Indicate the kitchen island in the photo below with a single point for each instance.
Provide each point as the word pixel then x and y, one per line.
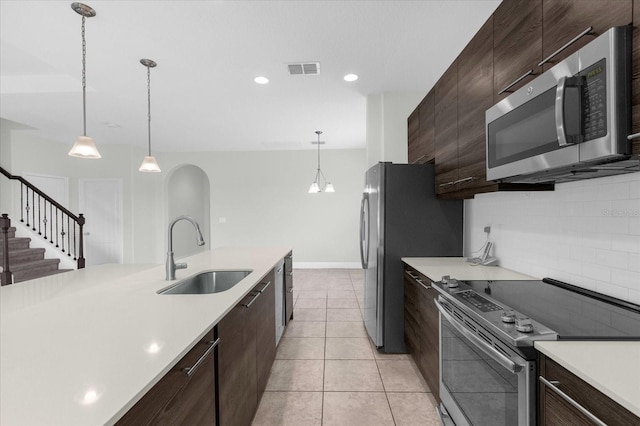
pixel 83 347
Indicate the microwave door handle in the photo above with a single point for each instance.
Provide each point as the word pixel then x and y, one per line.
pixel 560 126
pixel 485 347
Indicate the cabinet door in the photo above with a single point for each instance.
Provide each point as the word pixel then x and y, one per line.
pixel 563 20
pixel 264 312
pixel 426 111
pixel 170 397
pixel 430 357
pixel 475 87
pixel 237 366
pixel 517 44
pixel 635 119
pixel 412 318
pixel 446 130
pixel 554 410
pixel 288 288
pixel 413 130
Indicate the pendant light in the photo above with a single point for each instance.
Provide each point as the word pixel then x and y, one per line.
pixel 149 164
pixel 84 146
pixel 320 183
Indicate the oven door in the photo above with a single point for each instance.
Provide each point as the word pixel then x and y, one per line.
pixel 482 380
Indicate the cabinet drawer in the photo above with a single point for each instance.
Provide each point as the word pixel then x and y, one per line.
pixel 156 400
pixel 555 410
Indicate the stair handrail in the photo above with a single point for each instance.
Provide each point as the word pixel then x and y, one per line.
pixel 79 219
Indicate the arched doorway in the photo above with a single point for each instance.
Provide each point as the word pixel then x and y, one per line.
pixel 188 193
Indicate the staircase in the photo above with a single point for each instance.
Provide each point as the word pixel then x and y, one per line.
pixel 27 263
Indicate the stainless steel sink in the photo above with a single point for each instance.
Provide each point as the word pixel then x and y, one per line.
pixel 206 282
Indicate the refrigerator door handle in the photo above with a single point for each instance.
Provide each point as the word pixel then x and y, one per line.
pixel 364 233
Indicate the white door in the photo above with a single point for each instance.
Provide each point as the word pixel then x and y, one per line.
pixel 101 203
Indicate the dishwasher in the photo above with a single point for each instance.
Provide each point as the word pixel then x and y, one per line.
pixel 279 281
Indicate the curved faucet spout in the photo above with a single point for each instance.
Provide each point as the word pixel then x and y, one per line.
pixel 171 265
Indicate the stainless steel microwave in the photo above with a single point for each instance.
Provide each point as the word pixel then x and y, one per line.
pixel 571 122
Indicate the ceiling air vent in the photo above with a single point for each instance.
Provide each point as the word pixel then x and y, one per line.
pixel 306 68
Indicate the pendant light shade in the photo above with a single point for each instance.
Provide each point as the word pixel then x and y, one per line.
pixel 149 164
pixel 84 147
pixel 320 183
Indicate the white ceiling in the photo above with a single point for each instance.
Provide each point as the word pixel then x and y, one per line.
pixel 203 96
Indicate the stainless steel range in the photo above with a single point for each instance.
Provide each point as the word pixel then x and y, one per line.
pixel 487 332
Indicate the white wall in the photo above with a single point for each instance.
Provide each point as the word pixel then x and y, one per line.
pixel 262 195
pixel 387 126
pixel 586 233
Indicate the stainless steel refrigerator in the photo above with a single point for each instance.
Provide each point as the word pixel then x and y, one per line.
pixel 400 216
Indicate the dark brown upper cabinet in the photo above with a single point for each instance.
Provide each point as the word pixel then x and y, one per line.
pixel 475 88
pixel 570 24
pixel 517 45
pixel 446 130
pixel 420 126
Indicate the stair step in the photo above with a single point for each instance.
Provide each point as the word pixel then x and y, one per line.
pixel 30 270
pixel 11 233
pixel 17 257
pixel 18 243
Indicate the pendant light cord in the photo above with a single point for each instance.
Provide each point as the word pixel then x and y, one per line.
pixel 149 106
pixel 84 80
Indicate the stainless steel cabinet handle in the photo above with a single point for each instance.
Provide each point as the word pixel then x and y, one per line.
pixel 190 370
pixel 279 270
pixel 481 344
pixel 291 273
pixel 290 290
pixel 418 159
pixel 552 386
pixel 567 44
pixel 463 180
pixel 446 184
pixel 255 296
pixel 265 287
pixel 634 136
pixel 417 279
pixel 516 81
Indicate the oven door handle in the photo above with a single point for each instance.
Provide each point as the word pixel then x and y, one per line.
pixel 485 347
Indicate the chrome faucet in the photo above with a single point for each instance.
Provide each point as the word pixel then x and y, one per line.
pixel 171 265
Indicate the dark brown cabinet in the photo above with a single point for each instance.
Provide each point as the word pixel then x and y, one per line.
pixel 475 88
pixel 517 45
pixel 565 20
pixel 420 125
pixel 185 395
pixel 635 117
pixel 557 384
pixel 246 353
pixel 446 130
pixel 288 288
pixel 421 325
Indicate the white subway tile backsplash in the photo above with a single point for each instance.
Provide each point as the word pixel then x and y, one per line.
pixel 586 233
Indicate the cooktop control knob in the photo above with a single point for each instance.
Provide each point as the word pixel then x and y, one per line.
pixel 524 325
pixel 450 282
pixel 508 316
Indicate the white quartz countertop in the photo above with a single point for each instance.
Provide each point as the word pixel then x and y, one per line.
pixel 79 348
pixel 457 267
pixel 611 367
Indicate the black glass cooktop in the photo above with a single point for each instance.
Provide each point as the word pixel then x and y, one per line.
pixel 572 312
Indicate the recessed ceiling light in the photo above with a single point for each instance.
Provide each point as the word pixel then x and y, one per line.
pixel 261 80
pixel 351 77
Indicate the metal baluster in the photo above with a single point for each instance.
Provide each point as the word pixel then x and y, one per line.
pixel 68 236
pixel 57 227
pixel 21 202
pixel 33 210
pixel 51 223
pixel 45 219
pixel 39 216
pixel 62 233
pixel 27 208
pixel 75 245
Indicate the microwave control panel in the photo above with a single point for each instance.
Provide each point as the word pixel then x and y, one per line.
pixel 594 101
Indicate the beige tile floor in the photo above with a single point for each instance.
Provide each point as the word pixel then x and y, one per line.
pixel 327 372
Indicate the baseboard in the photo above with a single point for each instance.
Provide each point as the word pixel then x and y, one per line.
pixel 326 265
